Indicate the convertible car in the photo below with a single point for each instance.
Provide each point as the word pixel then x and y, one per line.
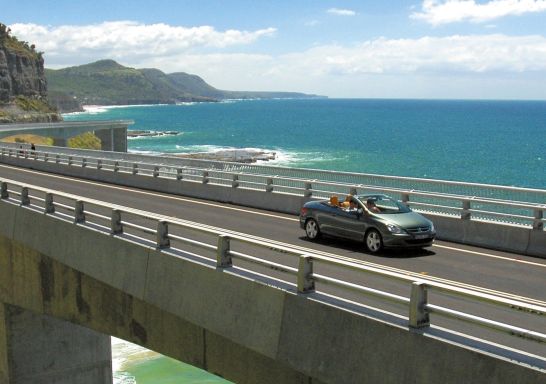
pixel 378 220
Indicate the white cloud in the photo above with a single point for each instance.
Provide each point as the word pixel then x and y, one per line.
pixel 341 12
pixel 451 11
pixel 374 68
pixel 128 39
pixel 471 54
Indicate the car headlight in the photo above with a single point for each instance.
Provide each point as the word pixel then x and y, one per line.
pixel 394 228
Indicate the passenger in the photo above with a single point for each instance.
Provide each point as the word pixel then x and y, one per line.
pixel 353 205
pixel 370 204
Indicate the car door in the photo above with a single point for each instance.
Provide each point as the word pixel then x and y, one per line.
pixel 325 216
pixel 350 224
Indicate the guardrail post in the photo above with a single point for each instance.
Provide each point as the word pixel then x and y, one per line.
pixel 308 190
pixel 70 160
pixel 99 164
pixel 10 152
pixel 3 152
pixel 179 174
pixel 306 284
pixel 163 240
pixel 405 199
pixel 4 194
pixel 465 213
pixel 79 214
pixel 46 157
pixel 156 171
pixel 57 159
pixel 135 169
pixel 49 207
pixel 205 177
pixel 537 222
pixel 223 258
pixel 235 181
pixel 269 185
pixel 418 315
pixel 116 166
pixel 25 200
pixel 26 154
pixel 84 162
pixel 116 226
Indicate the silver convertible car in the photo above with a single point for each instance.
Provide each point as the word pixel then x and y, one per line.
pixel 378 220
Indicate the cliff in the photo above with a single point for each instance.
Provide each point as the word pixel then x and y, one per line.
pixel 23 85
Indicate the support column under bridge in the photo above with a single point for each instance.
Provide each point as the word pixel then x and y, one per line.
pixel 112 133
pixel 37 348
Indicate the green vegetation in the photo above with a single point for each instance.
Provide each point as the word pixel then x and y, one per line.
pixel 29 139
pixel 106 82
pixel 86 140
pixel 22 48
pixel 31 104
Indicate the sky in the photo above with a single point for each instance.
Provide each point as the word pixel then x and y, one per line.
pixel 447 49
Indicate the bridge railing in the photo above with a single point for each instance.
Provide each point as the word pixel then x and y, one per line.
pixel 524 212
pixel 423 195
pixel 307 272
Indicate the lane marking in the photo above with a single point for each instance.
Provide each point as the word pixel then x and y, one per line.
pixel 163 195
pixel 491 256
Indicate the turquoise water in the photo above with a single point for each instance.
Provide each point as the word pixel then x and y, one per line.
pixel 498 142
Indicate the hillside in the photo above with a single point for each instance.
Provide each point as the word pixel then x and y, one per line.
pixel 106 82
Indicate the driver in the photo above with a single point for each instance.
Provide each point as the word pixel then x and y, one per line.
pixel 370 204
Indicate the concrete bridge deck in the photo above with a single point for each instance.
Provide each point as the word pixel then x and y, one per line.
pixel 230 322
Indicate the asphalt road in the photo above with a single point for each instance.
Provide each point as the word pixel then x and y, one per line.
pixel 522 277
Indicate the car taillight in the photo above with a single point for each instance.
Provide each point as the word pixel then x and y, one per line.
pixel 303 211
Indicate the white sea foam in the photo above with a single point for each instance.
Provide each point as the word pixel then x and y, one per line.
pixel 125 354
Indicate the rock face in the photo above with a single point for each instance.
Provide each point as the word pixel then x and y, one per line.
pixel 21 74
pixel 23 85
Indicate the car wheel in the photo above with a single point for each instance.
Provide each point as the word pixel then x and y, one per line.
pixel 374 242
pixel 312 229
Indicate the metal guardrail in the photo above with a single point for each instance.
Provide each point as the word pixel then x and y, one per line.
pixel 480 207
pixel 128 222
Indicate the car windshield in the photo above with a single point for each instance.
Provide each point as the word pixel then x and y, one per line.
pixel 383 204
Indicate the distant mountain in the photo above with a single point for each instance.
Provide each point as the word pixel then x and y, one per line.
pixel 106 82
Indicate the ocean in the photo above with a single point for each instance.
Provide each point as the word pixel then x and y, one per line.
pixel 493 142
pixel 497 142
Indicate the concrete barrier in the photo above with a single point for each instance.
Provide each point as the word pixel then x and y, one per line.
pixel 246 329
pixel 504 237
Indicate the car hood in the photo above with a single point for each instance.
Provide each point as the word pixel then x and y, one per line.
pixel 406 220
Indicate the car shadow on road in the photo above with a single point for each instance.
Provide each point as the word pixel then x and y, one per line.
pixel 355 246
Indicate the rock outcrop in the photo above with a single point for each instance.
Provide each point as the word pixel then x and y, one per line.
pixel 23 85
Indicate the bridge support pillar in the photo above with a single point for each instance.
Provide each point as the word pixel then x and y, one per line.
pixel 41 349
pixel 60 142
pixel 113 139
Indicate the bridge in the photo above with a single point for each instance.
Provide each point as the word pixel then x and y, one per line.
pixel 112 133
pixel 283 327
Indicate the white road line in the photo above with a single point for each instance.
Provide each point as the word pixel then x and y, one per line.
pixel 163 195
pixel 490 255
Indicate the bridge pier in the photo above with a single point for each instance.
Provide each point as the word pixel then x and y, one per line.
pixel 113 139
pixel 60 142
pixel 41 349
